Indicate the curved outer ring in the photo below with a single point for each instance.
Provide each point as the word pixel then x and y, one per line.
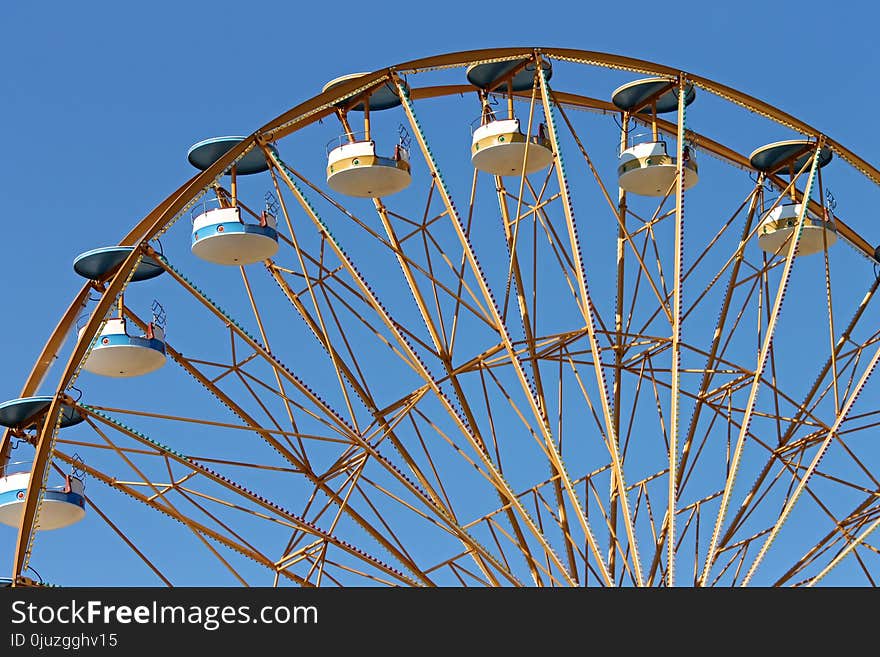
pixel 308 112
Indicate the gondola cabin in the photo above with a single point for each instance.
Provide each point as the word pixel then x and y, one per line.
pixel 62 506
pixel 501 148
pixel 647 169
pixel 355 167
pixel 793 158
pixel 499 145
pixel 645 166
pixel 116 353
pixel 220 236
pixel 778 225
pixel 224 235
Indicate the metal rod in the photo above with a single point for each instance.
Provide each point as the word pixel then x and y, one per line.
pixel 586 307
pixel 676 334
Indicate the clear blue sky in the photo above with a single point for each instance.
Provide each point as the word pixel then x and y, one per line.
pixel 100 101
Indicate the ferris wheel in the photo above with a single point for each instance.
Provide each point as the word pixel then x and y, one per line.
pixel 506 317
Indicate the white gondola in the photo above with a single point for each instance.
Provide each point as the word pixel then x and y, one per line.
pixel 355 169
pixel 62 506
pixel 645 166
pixel 118 354
pixel 220 236
pixel 778 225
pixel 499 147
pixel 647 169
pixel 790 158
